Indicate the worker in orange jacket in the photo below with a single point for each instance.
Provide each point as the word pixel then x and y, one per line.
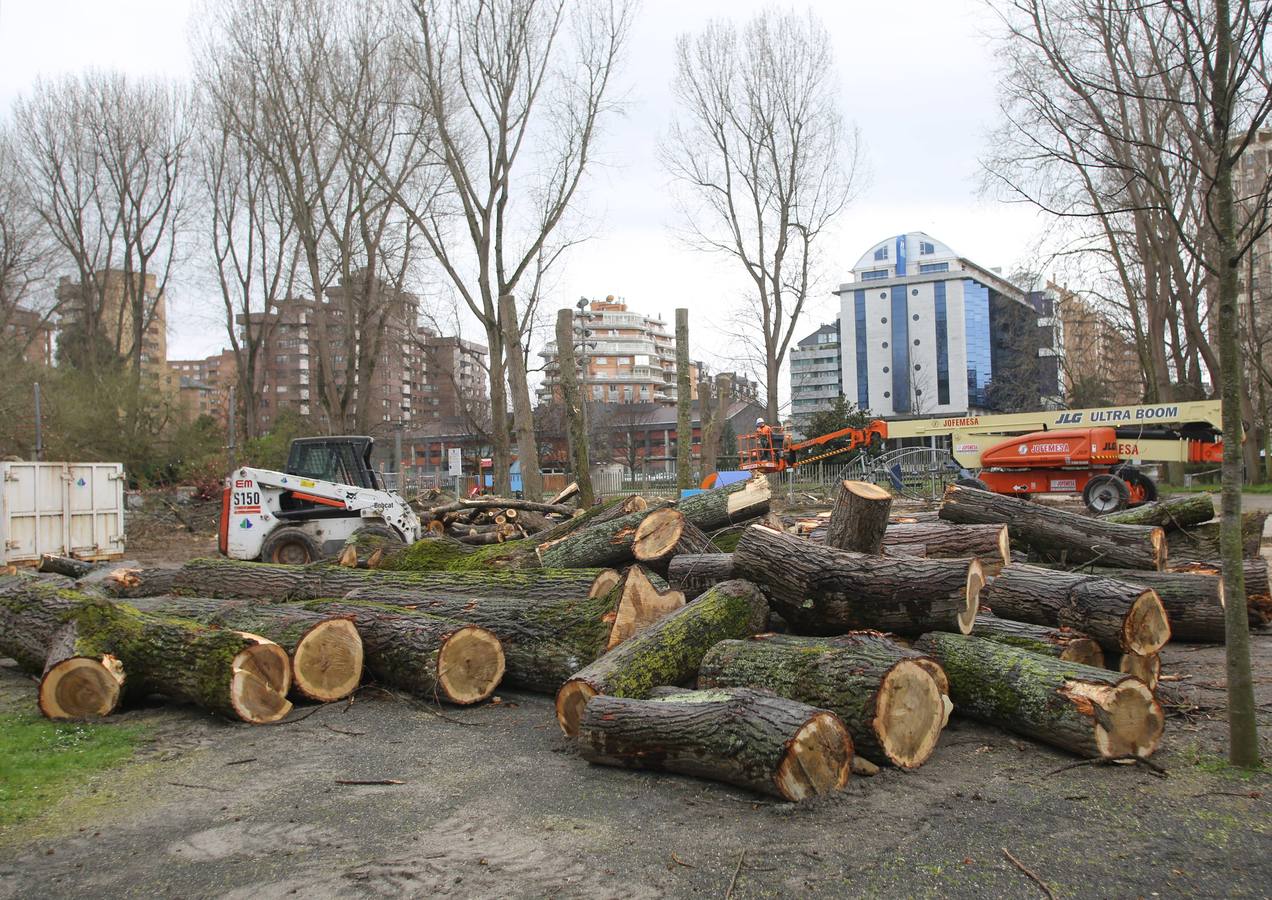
pixel 764 434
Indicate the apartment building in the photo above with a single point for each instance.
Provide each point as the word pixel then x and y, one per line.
pixel 29 333
pixel 817 379
pixel 113 302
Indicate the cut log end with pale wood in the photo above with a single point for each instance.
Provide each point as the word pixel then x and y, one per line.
pixel 749 738
pixel 81 687
pixel 260 682
pixel 327 661
pixel 640 605
pixel 605 582
pixel 1147 669
pixel 470 666
pixel 859 517
pixel 1146 628
pixel 1063 643
pixel 664 533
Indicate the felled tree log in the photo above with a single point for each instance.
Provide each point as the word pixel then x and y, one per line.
pixel 1064 643
pixel 738 502
pixel 66 565
pixel 497 503
pixel 667 652
pixel 1055 531
pixel 752 739
pixel 632 503
pixel 641 603
pixel 439 553
pixel 694 573
pixel 1171 513
pixel 544 642
pixel 889 703
pixel 1147 669
pixel 665 533
pixel 1120 616
pixel 821 590
pixel 325 650
pixel 941 540
pixel 1201 542
pixel 604 544
pixel 859 517
pixel 455 662
pixel 1088 711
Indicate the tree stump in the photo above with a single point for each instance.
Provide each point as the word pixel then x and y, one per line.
pixel 859 517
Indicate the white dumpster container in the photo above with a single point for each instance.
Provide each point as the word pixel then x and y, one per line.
pixel 67 509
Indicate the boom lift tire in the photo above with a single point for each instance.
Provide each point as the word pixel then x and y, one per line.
pixel 1106 493
pixel 290 545
pixel 1143 488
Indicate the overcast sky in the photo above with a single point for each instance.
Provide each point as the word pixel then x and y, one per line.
pixel 916 77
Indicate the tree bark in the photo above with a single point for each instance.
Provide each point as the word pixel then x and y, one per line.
pixel 66 565
pixel 580 464
pixel 425 655
pixel 81 678
pixel 1201 542
pixel 641 604
pixel 325 650
pixel 859 517
pixel 544 643
pixel 820 590
pixel 1049 530
pixel 940 540
pixel 665 533
pixel 748 738
pixel 667 652
pixel 739 502
pixel 694 573
pixel 1088 711
pixel 1064 643
pixel 1172 513
pixel 522 411
pixel 684 404
pixel 605 544
pixel 888 702
pixel 1122 617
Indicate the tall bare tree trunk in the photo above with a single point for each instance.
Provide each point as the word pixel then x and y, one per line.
pixel 522 412
pixel 1243 736
pixel 684 404
pixel 706 418
pixel 573 407
pixel 500 452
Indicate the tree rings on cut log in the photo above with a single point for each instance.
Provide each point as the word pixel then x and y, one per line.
pixel 1147 669
pixel 1146 627
pixel 859 517
pixel 327 661
pixel 260 682
pixel 640 605
pixel 81 687
pixel 1130 722
pixel 470 665
pixel 605 582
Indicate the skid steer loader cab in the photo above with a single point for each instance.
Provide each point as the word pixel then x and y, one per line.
pixel 344 460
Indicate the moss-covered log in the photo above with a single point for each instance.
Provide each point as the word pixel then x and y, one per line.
pixel 1088 711
pixel 941 540
pixel 1172 513
pixel 859 517
pixel 1201 542
pixel 1121 616
pixel 664 533
pixel 1064 643
pixel 667 652
pixel 694 573
pixel 325 650
pixel 821 590
pixel 1048 530
pixel 730 505
pixel 752 739
pixel 429 656
pixel 438 553
pixel 127 583
pixel 889 703
pixel 544 643
pixel 600 544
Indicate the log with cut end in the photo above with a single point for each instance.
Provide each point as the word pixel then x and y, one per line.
pixel 859 517
pixel 694 573
pixel 752 739
pixel 889 703
pixel 1171 513
pixel 544 642
pixel 325 650
pixel 124 582
pixel 1147 669
pixel 632 503
pixel 641 604
pixel 821 590
pixel 454 662
pixel 941 540
pixel 738 502
pixel 1201 542
pixel 1119 615
pixel 667 652
pixel 66 565
pixel 1088 711
pixel 1065 643
pixel 1048 530
pixel 448 554
pixel 665 533
pixel 599 544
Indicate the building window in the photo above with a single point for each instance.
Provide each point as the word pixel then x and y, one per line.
pixel 900 354
pixel 925 249
pixel 874 275
pixel 924 268
pixel 863 387
pixel 881 253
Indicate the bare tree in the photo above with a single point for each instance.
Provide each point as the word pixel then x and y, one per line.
pixel 516 90
pixel 765 158
pixel 1201 70
pixel 26 253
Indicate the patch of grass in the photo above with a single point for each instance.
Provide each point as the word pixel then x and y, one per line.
pixel 1214 764
pixel 41 760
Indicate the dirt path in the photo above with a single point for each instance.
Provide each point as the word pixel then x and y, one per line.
pixel 501 806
